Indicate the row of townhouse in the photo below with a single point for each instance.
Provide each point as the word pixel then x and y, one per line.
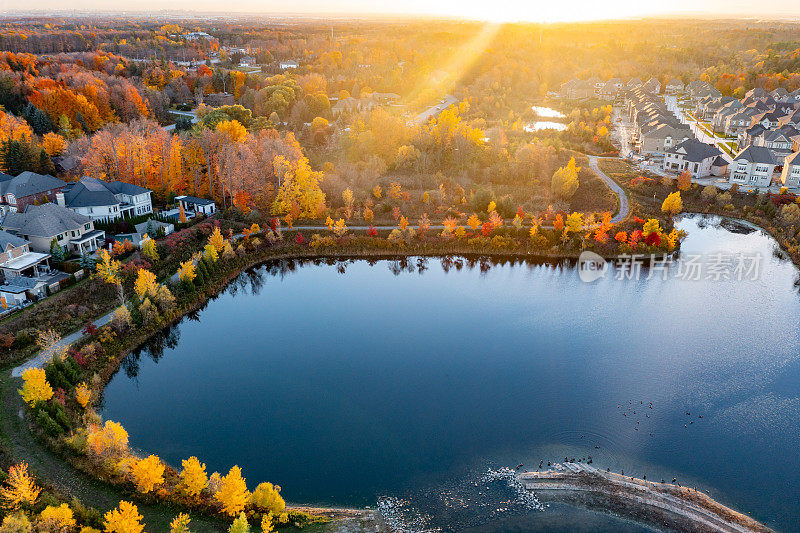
pixel 611 89
pixel 655 129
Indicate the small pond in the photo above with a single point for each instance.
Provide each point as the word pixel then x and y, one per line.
pixel 408 384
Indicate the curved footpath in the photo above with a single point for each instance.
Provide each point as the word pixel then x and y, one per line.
pixel 624 207
pixel 661 505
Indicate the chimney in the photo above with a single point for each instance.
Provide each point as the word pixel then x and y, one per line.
pixel 60 199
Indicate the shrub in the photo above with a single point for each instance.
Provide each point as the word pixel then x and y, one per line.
pixel 48 424
pixel 709 193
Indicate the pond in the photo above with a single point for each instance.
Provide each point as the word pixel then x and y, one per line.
pixel 547 112
pixel 408 384
pixel 544 125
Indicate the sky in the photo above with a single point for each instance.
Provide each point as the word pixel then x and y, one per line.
pixel 493 10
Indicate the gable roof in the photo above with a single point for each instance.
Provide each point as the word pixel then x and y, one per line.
pixel 194 200
pixel 756 154
pixel 120 187
pixel 694 150
pixel 88 192
pixel 719 162
pixel 790 159
pixel 46 220
pixel 29 183
pixel 7 239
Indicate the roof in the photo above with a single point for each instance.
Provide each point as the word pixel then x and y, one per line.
pixel 88 192
pixel 790 159
pixel 46 220
pixel 756 154
pixel 7 239
pixel 695 151
pixel 719 162
pixel 142 226
pixel 120 187
pixel 29 183
pixel 194 200
pixel 675 81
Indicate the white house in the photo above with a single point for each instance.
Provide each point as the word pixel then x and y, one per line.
pixel 790 177
pixel 753 166
pixel 106 200
pixel 674 86
pixel 197 205
pixel 288 64
pixel 693 156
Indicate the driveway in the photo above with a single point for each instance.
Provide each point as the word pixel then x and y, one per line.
pixel 191 114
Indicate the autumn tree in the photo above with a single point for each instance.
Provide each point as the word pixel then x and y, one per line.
pixel 124 519
pixel 299 184
pixel 186 272
pixel 193 476
pixel 56 519
pixel 35 387
pixel 266 497
pixel 83 394
pixel 672 204
pixel 233 494
pixel 684 180
pixel 20 488
pixel 107 441
pixel 240 524
pixel 147 473
pixel 145 284
pixel 565 180
pixel 180 524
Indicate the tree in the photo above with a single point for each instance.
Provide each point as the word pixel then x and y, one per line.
pixel 108 269
pixel 240 524
pixel 709 193
pixel 672 204
pixel 684 180
pixel 186 272
pixel 301 185
pixel 181 214
pixel 180 524
pixel 267 498
pixel 35 387
pixel 574 223
pixel 21 488
pixel 56 519
pixel 565 180
pixel 57 251
pixel 233 493
pixel 147 473
pixel 217 240
pixel 124 519
pixel 53 144
pixel 145 284
pixel 193 476
pixel 83 394
pixel 149 249
pixel 109 440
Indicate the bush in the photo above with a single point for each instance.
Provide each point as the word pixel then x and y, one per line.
pixel 48 424
pixel 709 193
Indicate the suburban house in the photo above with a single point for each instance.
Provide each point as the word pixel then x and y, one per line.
pixel 247 61
pixel 40 224
pixel 28 188
pixel 21 289
pixel 288 64
pixel 152 227
pixel 352 105
pixel 674 86
pixel 753 166
pixel 652 86
pixel 577 89
pixel 693 156
pixel 721 116
pixel 611 89
pixel 198 206
pixel 633 83
pixel 790 176
pixel 106 200
pixel 780 141
pixel 659 140
pixel 16 258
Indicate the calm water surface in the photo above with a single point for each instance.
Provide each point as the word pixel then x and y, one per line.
pixel 409 384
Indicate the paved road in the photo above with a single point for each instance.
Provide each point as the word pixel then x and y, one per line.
pixel 191 114
pixel 672 105
pixel 38 361
pixel 624 207
pixel 434 110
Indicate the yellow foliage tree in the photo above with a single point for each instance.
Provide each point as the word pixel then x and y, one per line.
pixel 474 222
pixel 124 519
pixel 108 440
pixel 56 519
pixel 83 394
pixel 267 498
pixel 565 180
pixel 180 524
pixel 368 215
pixel 233 493
pixel 233 129
pixel 21 488
pixel 146 284
pixel 181 214
pixel 149 248
pixel 339 228
pixel 217 240
pixel 574 223
pixel 673 204
pixel 53 143
pixel 299 184
pixel 403 224
pixel 377 191
pixel 107 268
pixel 210 253
pixel 147 473
pixel 193 476
pixel 186 271
pixel 35 387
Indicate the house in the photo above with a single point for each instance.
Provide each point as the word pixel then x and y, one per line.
pixel 28 188
pixel 16 258
pixel 721 116
pixel 247 61
pixel 197 205
pixel 652 86
pixel 611 89
pixel 753 166
pixel 41 224
pixel 719 167
pixel 633 83
pixel 739 122
pixel 660 139
pixel 21 289
pixel 693 156
pixel 674 86
pixel 106 200
pixel 577 90
pixel 780 141
pixel 352 105
pixel 288 64
pixel 152 227
pixel 790 175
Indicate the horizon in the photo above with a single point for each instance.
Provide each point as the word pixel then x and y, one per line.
pixel 506 12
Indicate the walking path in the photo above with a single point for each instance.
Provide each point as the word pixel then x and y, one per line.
pixel 38 361
pixel 624 206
